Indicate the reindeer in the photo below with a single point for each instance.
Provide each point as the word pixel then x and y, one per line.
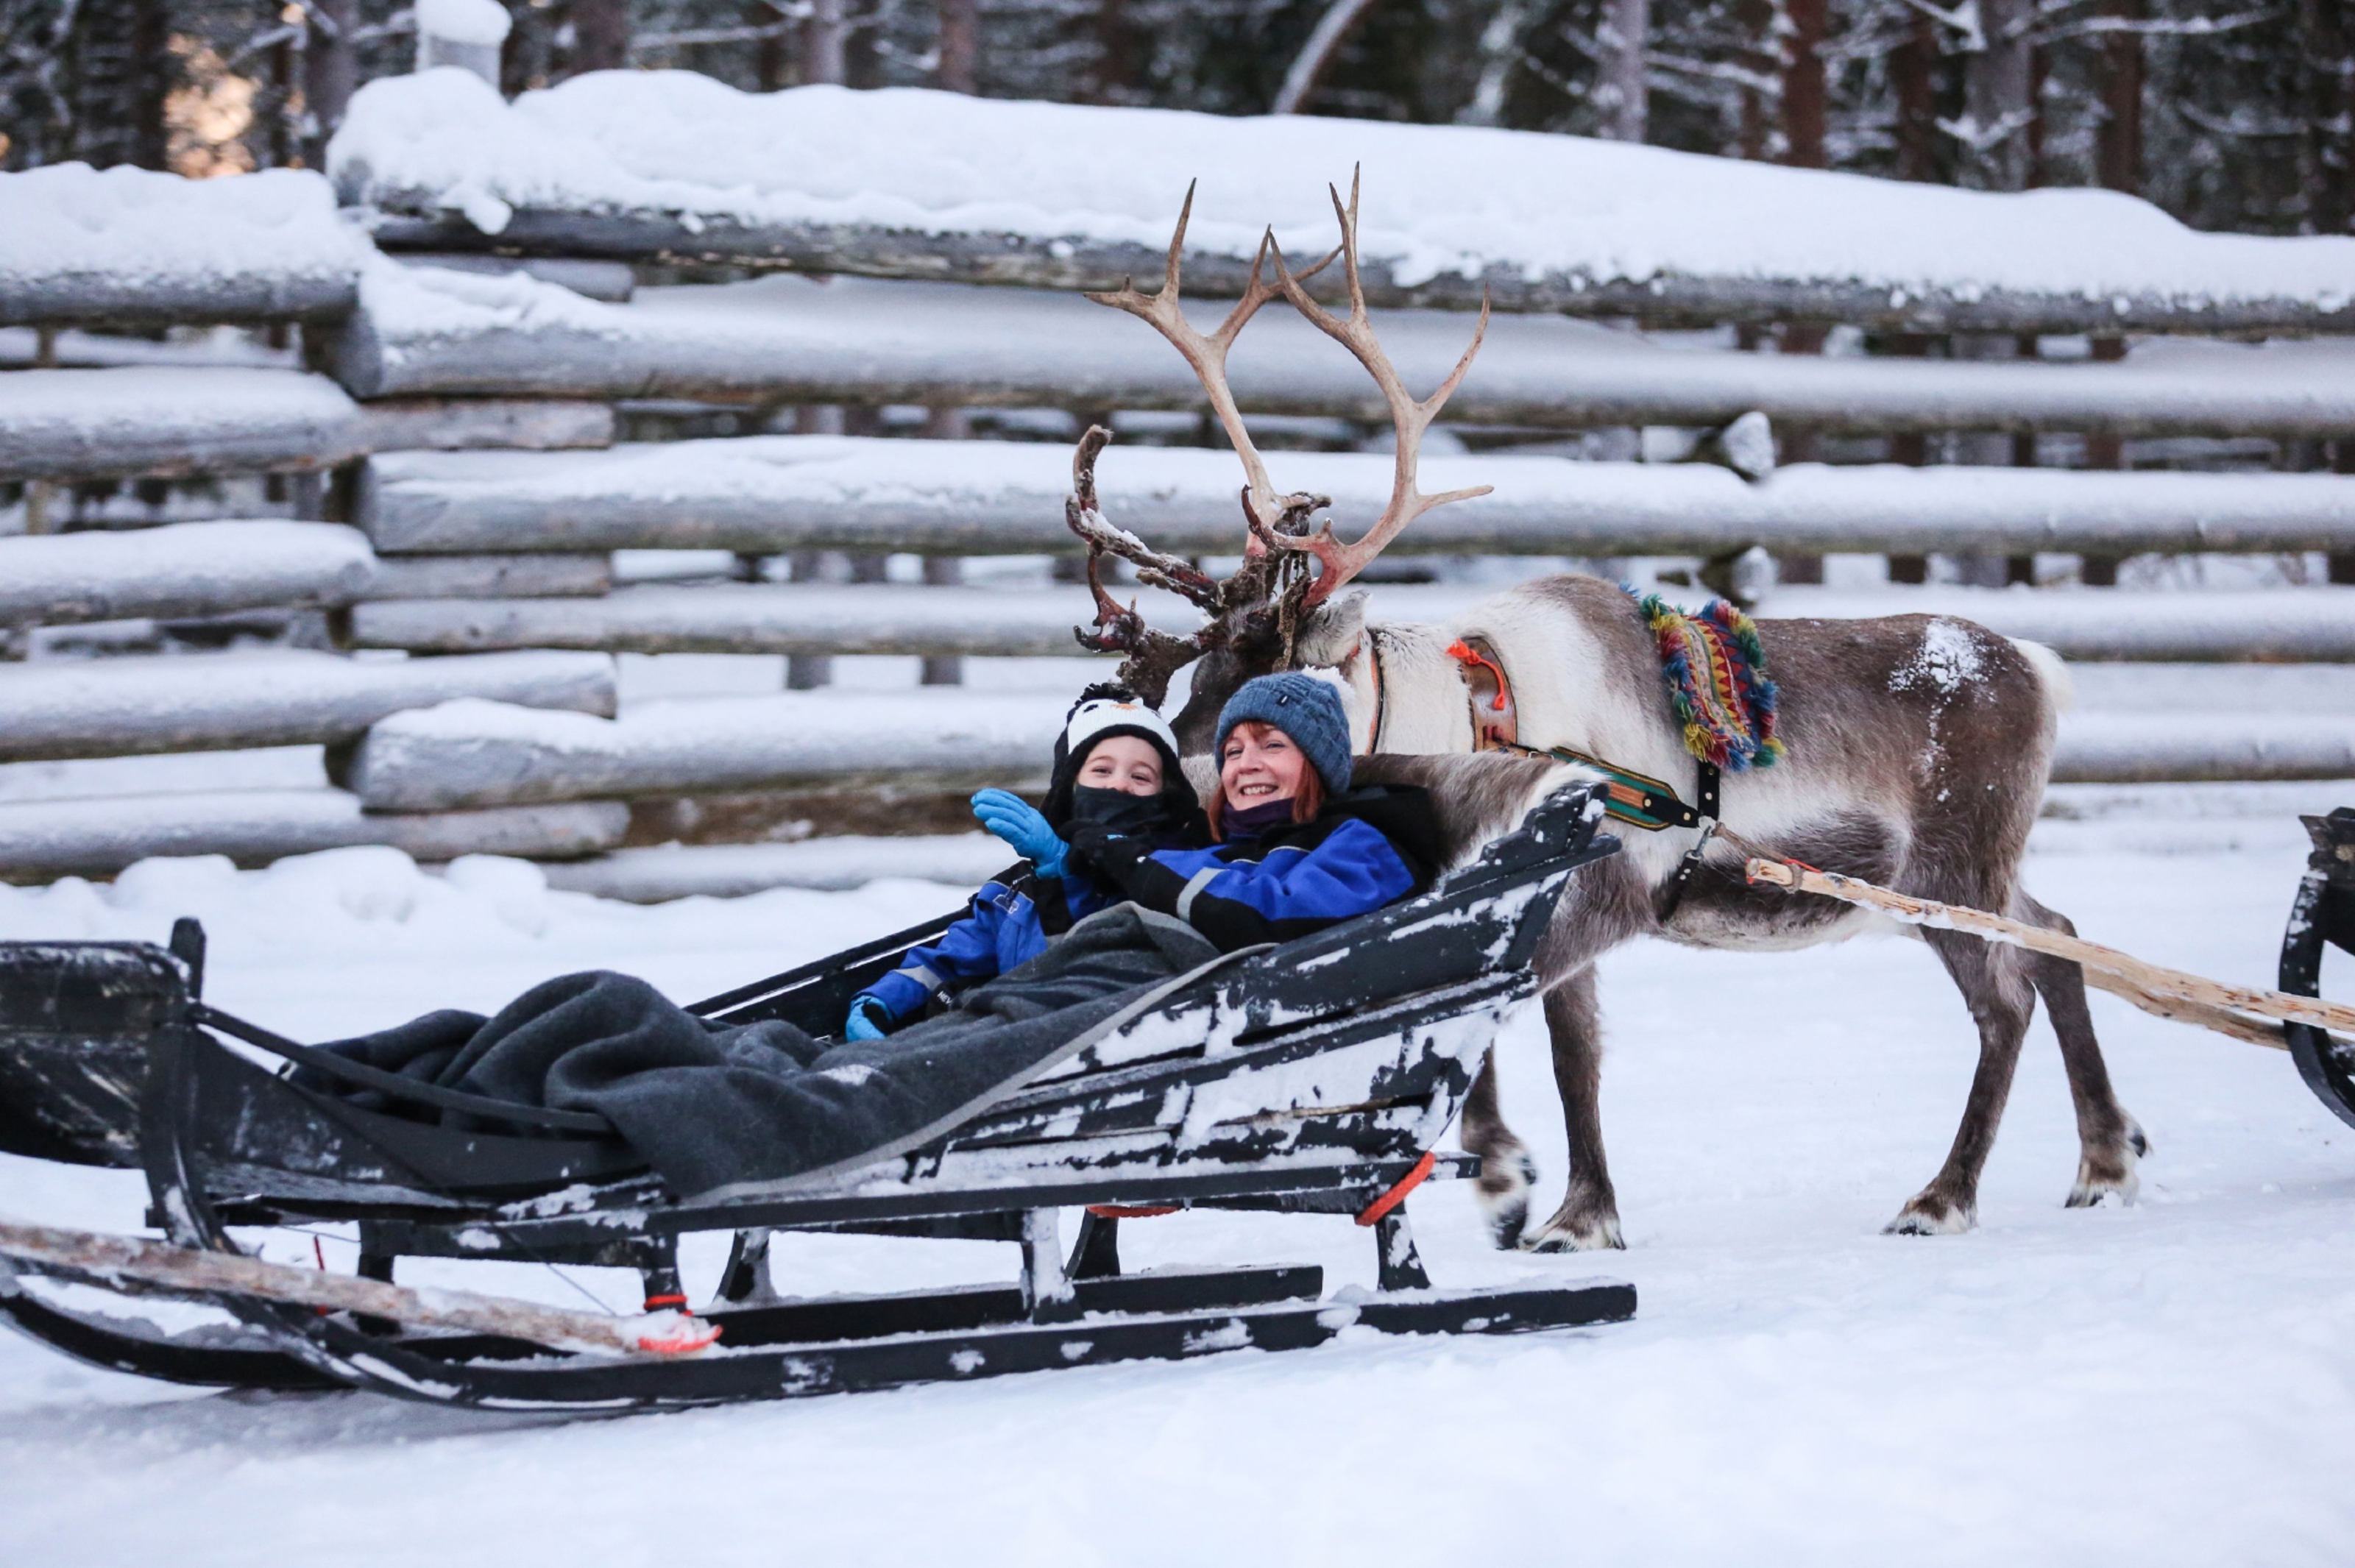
pixel 1918 751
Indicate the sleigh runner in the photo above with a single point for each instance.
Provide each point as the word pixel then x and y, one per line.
pixel 1314 1078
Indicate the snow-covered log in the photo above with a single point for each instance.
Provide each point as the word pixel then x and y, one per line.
pixel 730 870
pixel 527 577
pixel 753 618
pixel 491 754
pixel 2297 625
pixel 906 182
pixel 2309 625
pixel 180 571
pixel 864 340
pixel 131 247
pixel 772 494
pixel 445 424
pixel 476 754
pixel 57 424
pixel 613 281
pixel 39 840
pixel 115 708
pixel 2113 748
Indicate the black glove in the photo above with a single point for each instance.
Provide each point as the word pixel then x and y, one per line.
pixel 1097 849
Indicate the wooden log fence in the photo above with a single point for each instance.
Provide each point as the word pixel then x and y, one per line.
pixel 180 571
pixel 771 495
pixel 479 754
pixel 2256 626
pixel 175 420
pixel 862 341
pixel 43 839
pixel 109 708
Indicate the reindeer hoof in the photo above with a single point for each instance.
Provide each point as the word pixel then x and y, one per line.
pixel 1508 1205
pixel 1589 1233
pixel 1928 1216
pixel 2112 1180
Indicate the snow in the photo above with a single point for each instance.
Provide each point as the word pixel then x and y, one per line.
pixel 172 419
pixel 731 871
pixel 789 338
pixel 777 492
pixel 481 22
pixel 1438 200
pixel 20 346
pixel 183 569
pixel 472 752
pixel 2168 1383
pixel 273 696
pixel 70 229
pixel 257 826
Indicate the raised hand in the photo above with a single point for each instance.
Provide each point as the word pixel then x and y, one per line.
pixel 1014 820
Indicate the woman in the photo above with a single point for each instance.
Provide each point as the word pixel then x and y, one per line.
pixel 1115 767
pixel 1297 849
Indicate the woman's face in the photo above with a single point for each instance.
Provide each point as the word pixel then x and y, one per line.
pixel 1129 764
pixel 1260 764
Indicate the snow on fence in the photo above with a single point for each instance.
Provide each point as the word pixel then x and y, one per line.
pixel 475 754
pixel 731 871
pixel 2294 625
pixel 908 183
pixel 124 707
pixel 2314 625
pixel 97 837
pixel 180 571
pixel 170 421
pixel 446 577
pixel 470 753
pixel 133 247
pixel 774 493
pixel 864 340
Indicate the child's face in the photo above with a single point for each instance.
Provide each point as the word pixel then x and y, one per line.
pixel 1129 764
pixel 1260 764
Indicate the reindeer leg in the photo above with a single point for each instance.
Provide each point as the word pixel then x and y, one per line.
pixel 1588 1218
pixel 2109 1141
pixel 1506 1171
pixel 1994 982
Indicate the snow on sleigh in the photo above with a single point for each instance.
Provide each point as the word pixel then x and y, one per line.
pixel 1314 1078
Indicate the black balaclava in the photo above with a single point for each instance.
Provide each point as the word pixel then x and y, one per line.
pixel 1173 816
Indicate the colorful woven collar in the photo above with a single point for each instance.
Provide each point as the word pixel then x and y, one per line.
pixel 1716 670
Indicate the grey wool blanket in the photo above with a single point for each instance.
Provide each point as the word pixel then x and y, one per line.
pixel 712 1106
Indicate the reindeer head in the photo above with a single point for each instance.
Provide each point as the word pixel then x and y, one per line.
pixel 1274 612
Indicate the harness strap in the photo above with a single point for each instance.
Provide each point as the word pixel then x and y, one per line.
pixel 1495 719
pixel 1381 689
pixel 1397 1194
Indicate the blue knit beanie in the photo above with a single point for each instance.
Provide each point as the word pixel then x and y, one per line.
pixel 1303 707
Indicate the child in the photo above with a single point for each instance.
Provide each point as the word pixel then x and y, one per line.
pixel 1298 851
pixel 1115 767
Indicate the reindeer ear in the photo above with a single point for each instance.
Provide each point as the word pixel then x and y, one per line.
pixel 1333 631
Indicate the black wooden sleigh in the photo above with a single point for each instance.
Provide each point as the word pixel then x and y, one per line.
pixel 1313 1078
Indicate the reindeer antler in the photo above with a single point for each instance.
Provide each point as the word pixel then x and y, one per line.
pixel 1341 562
pixel 1153 657
pixel 1207 353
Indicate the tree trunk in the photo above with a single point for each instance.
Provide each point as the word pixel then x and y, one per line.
pixel 2329 37
pixel 2118 147
pixel 1998 102
pixel 824 40
pixel 1804 103
pixel 1910 68
pixel 330 72
pixel 600 35
pixel 1626 27
pixel 960 45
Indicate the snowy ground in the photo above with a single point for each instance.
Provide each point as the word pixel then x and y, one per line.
pixel 2166 1383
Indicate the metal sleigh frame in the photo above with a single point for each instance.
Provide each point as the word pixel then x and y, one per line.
pixel 1314 1078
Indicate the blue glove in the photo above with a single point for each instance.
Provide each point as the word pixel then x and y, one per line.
pixel 868 1016
pixel 1014 820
